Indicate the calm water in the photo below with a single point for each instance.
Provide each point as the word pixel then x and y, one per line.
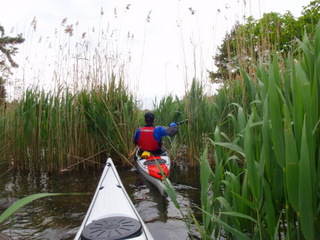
pixel 59 217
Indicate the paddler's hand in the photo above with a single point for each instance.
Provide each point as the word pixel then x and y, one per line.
pixel 173 124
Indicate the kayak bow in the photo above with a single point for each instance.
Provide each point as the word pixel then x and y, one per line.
pixel 111 214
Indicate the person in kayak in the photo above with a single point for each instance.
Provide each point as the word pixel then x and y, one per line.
pixel 149 137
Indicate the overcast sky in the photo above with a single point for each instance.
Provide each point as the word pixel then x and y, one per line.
pixel 166 40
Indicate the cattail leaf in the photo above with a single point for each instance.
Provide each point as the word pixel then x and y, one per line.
pixel 270 210
pixel 297 111
pixel 218 149
pixel 309 58
pixel 241 215
pixel 171 193
pixel 267 145
pixel 317 42
pixel 231 146
pixel 306 211
pixel 238 234
pixel 234 123
pixel 276 121
pixel 206 176
pixel 254 182
pixel 235 182
pixel 26 200
pixel 245 193
pixel 205 172
pixel 244 200
pixel 292 162
pixel 168 188
pixel 249 86
pixel 275 70
pixel 241 117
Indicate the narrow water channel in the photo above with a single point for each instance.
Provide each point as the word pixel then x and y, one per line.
pixel 59 217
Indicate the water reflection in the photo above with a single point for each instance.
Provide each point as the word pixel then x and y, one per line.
pixel 59 217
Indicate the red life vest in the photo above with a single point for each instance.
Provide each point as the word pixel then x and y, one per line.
pixel 146 140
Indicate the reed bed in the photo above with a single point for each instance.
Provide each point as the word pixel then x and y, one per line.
pixel 199 111
pixel 112 114
pixel 265 184
pixel 90 112
pixel 63 129
pixel 56 131
pixel 203 112
pixel 257 140
pixel 87 112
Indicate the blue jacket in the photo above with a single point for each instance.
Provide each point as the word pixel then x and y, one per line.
pixel 158 134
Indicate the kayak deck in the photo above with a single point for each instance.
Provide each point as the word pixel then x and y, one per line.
pixel 111 214
pixel 154 168
pixel 157 167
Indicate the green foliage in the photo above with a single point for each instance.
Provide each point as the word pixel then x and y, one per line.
pixel 265 183
pixel 310 16
pixel 168 110
pixel 253 41
pixel 171 109
pixel 224 61
pixel 200 113
pixel 111 116
pixel 7 50
pixel 51 131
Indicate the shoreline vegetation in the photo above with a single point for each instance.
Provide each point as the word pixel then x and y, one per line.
pixel 265 182
pixel 91 113
pixel 256 141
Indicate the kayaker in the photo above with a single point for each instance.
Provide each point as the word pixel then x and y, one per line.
pixel 149 137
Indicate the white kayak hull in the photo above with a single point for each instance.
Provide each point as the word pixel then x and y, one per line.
pixel 149 169
pixel 111 214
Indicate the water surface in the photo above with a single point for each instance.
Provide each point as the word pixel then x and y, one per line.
pixel 59 217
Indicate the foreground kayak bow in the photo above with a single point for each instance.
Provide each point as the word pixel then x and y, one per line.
pixel 112 215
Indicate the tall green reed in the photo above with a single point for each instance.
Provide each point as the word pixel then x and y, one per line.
pixel 111 113
pixel 41 131
pixel 171 109
pixel 51 131
pixel 196 106
pixel 265 182
pixel 200 113
pixel 203 112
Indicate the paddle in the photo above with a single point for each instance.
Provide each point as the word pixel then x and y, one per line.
pixel 181 122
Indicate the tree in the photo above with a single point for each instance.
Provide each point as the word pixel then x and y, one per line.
pixel 7 51
pixel 310 16
pixel 252 41
pixel 256 39
pixel 226 58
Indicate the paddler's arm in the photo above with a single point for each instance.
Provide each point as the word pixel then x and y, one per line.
pixel 161 132
pixel 172 129
pixel 136 137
